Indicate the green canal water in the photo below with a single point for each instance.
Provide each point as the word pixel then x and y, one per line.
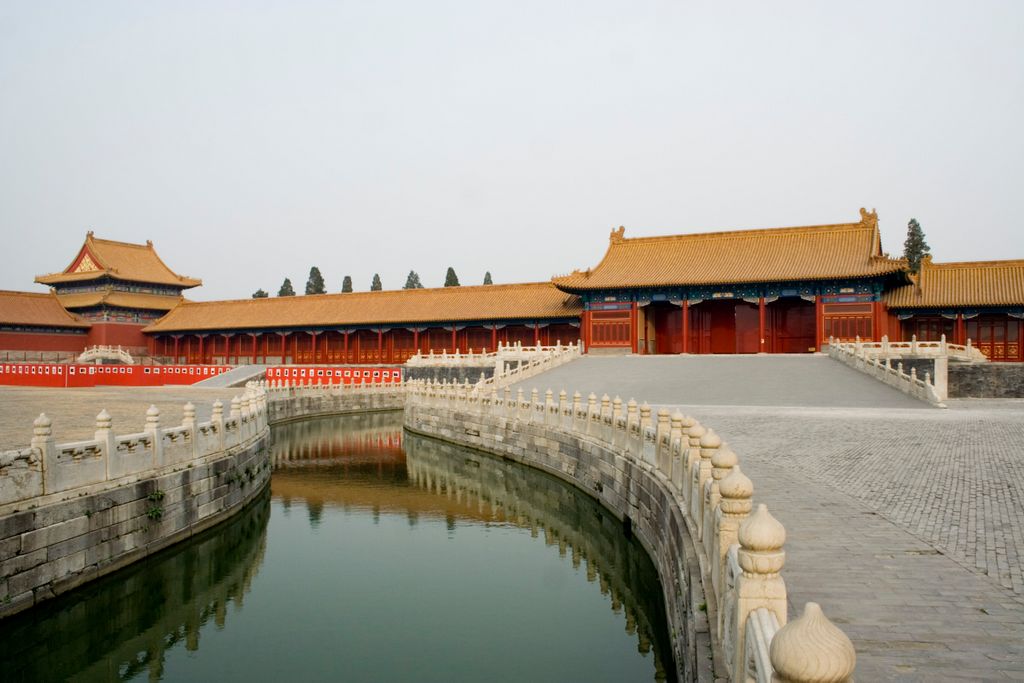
pixel 375 556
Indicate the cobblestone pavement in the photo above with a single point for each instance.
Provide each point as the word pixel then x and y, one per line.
pixel 905 522
pixel 73 411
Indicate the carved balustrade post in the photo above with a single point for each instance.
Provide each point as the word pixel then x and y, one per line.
pixel 696 432
pixel 188 421
pixel 105 436
pixel 217 421
pixel 761 557
pixel 811 649
pixel 663 447
pixel 735 505
pixel 722 463
pixel 577 411
pixel 153 429
pixel 593 413
pixel 709 443
pixel 676 450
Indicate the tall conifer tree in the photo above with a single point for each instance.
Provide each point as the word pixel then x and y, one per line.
pixel 450 278
pixel 376 286
pixel 315 283
pixel 915 248
pixel 286 288
pixel 413 281
pixel 346 284
pixel 259 294
pixel 487 278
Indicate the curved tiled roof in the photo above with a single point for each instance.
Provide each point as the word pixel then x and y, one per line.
pixel 540 300
pixel 30 309
pixel 150 302
pixel 118 260
pixel 820 252
pixel 978 283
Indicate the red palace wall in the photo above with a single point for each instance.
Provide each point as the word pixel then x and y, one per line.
pixel 43 341
pixel 298 374
pixel 117 334
pixel 62 375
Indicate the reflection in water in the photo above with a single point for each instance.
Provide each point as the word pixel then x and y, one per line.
pixel 378 557
pixel 122 626
pixel 360 463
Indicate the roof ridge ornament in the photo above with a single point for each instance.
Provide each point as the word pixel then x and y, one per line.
pixel 869 219
pixel 616 237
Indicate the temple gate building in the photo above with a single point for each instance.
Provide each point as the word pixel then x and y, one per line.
pixel 775 290
pixel 119 288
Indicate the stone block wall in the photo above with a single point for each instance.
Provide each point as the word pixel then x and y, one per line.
pixel 48 550
pixel 986 380
pixel 458 374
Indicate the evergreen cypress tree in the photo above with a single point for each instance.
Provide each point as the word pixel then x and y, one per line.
pixel 376 286
pixel 413 281
pixel 487 278
pixel 346 284
pixel 286 288
pixel 450 278
pixel 259 294
pixel 915 248
pixel 315 283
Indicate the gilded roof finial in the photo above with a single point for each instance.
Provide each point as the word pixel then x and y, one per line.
pixel 869 219
pixel 617 235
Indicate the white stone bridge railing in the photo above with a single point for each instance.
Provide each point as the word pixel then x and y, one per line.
pixel 512 362
pixel 915 349
pixel 98 353
pixel 933 390
pixel 670 477
pixel 47 471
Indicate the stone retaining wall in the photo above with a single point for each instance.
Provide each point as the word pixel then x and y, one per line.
pixel 92 517
pixel 986 380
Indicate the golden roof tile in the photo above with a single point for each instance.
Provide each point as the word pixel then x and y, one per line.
pixel 819 252
pixel 540 300
pixel 118 260
pixel 30 309
pixel 977 283
pixel 152 302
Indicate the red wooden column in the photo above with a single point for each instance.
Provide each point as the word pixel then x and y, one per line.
pixel 416 339
pixel 819 323
pixel 201 359
pixel 176 340
pixel 312 336
pixel 284 346
pixel 686 325
pixel 254 352
pixel 345 346
pixel 960 332
pixel 455 342
pixel 536 334
pixel 634 333
pixel 494 337
pixel 761 317
pixel 380 344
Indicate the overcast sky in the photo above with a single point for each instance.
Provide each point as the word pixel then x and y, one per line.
pixel 252 140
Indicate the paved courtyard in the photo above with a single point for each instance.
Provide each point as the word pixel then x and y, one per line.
pixel 905 522
pixel 74 411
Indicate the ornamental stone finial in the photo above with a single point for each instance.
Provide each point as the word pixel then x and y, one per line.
pixel 736 489
pixel 810 649
pixel 218 410
pixel 152 418
pixel 722 461
pixel 42 425
pixel 710 440
pixel 103 420
pixel 761 539
pixel 190 414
